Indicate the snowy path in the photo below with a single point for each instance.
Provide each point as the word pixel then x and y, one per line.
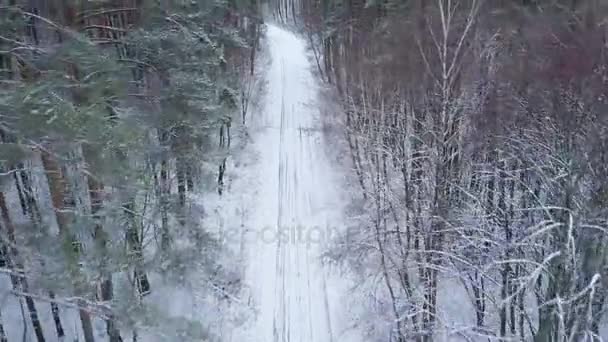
pixel 294 204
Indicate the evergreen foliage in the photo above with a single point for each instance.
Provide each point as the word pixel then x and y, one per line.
pixel 109 110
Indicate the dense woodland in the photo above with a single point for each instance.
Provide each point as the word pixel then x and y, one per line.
pixel 114 115
pixel 478 138
pixel 475 130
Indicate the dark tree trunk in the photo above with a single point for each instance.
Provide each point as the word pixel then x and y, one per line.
pixel 96 190
pixel 220 177
pixel 31 307
pixel 113 331
pixel 164 190
pixel 189 178
pixel 29 208
pixel 20 281
pixel 181 190
pixel 134 244
pixel 56 316
pixel 164 206
pixel 32 205
pixel 181 183
pixel 3 337
pixel 87 324
pixel 22 201
pixel 506 269
pixel 57 186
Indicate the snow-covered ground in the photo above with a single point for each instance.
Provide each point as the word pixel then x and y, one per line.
pixel 294 208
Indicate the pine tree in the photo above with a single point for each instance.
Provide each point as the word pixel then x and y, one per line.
pixel 113 100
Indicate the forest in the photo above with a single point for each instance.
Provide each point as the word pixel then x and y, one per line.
pixel 471 136
pixel 477 137
pixel 115 114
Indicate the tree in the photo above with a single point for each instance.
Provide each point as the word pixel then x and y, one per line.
pixel 107 97
pixel 467 123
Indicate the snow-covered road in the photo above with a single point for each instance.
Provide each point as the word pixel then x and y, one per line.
pixel 296 203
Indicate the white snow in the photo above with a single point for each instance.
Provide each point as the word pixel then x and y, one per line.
pixel 296 207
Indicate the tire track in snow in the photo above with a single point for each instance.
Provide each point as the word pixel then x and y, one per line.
pixel 280 256
pixel 286 274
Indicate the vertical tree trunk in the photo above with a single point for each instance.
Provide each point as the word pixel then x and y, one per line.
pixel 56 316
pixel 87 324
pixel 510 214
pixel 165 190
pixel 32 205
pixel 134 244
pixel 181 182
pixel 181 147
pixel 96 190
pixel 31 307
pixel 220 177
pixel 354 150
pixel 3 255
pixel 29 207
pixel 19 281
pixel 180 172
pixel 3 337
pixel 503 220
pixel 164 205
pixel 522 314
pixel 57 187
pixel 189 177
pixel 22 201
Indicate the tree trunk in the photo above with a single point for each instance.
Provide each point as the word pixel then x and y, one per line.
pixel 22 201
pixel 56 316
pixel 57 187
pixel 96 190
pixel 180 173
pixel 134 244
pixel 189 177
pixel 31 307
pixel 181 183
pixel 3 337
pixel 20 281
pixel 32 205
pixel 165 190
pixel 29 207
pixel 220 177
pixel 506 268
